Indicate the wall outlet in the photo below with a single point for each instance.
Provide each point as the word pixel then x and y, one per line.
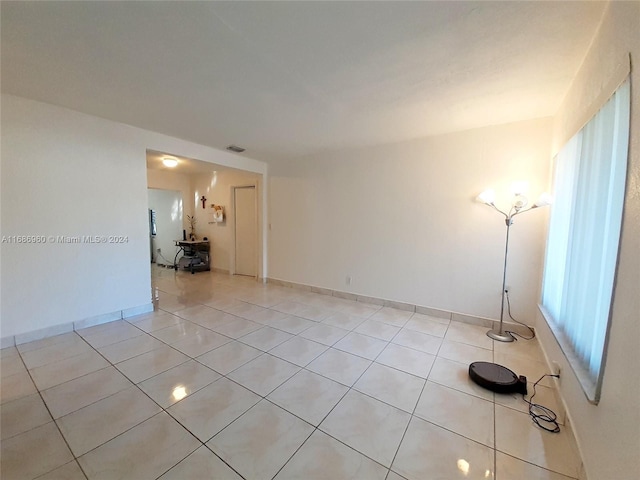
pixel 555 367
pixel 159 250
pixel 347 280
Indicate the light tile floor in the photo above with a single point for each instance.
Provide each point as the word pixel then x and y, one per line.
pixel 233 379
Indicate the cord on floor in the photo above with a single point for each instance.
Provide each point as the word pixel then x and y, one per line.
pixel 516 334
pixel 542 416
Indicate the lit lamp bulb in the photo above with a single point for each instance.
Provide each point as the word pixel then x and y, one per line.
pixel 487 197
pixel 519 202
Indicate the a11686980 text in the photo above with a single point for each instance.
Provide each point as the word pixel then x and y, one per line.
pixel 64 239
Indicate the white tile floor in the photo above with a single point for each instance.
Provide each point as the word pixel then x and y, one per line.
pixel 232 379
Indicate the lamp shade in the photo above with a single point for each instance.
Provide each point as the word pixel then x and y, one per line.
pixel 544 200
pixel 519 188
pixel 487 197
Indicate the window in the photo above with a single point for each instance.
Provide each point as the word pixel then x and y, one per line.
pixel 584 233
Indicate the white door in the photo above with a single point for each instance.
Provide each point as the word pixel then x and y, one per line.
pixel 246 221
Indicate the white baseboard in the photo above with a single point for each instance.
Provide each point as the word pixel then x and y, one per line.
pixel 434 312
pixel 19 339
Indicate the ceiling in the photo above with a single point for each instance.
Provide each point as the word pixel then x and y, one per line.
pixel 289 79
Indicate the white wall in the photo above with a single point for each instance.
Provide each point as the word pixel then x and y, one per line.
pixel 216 187
pixel 166 180
pixel 401 221
pixel 609 433
pixel 168 207
pixel 66 173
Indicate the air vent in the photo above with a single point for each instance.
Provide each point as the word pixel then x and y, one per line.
pixel 235 148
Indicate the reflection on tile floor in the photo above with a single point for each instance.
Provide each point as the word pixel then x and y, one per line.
pixel 230 378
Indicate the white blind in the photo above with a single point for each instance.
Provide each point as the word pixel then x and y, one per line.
pixel 584 230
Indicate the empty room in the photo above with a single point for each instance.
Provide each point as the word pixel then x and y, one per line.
pixel 320 240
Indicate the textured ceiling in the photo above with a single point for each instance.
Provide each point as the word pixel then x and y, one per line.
pixel 287 79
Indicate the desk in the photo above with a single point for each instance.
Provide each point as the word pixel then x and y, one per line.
pixel 195 255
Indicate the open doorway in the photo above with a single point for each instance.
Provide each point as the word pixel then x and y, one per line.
pixel 209 211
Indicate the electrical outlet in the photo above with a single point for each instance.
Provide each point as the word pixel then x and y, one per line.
pixel 348 280
pixel 159 250
pixel 555 366
pixel 507 289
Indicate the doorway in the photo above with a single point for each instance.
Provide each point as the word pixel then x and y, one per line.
pixel 195 179
pixel 246 230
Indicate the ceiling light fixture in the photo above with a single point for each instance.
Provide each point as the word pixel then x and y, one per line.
pixel 169 162
pixel 235 148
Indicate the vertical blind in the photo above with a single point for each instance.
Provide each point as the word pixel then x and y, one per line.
pixel 584 231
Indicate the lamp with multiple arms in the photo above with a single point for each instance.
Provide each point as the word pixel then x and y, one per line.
pixel 518 206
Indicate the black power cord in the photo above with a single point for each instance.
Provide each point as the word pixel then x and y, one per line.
pixel 516 334
pixel 542 416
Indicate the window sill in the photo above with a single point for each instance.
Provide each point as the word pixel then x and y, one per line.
pixel 590 388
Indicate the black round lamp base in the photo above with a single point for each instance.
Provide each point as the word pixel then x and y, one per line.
pixel 497 378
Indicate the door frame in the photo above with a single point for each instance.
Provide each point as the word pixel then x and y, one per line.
pixel 232 250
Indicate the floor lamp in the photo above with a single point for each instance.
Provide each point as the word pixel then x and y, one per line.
pixel 518 206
